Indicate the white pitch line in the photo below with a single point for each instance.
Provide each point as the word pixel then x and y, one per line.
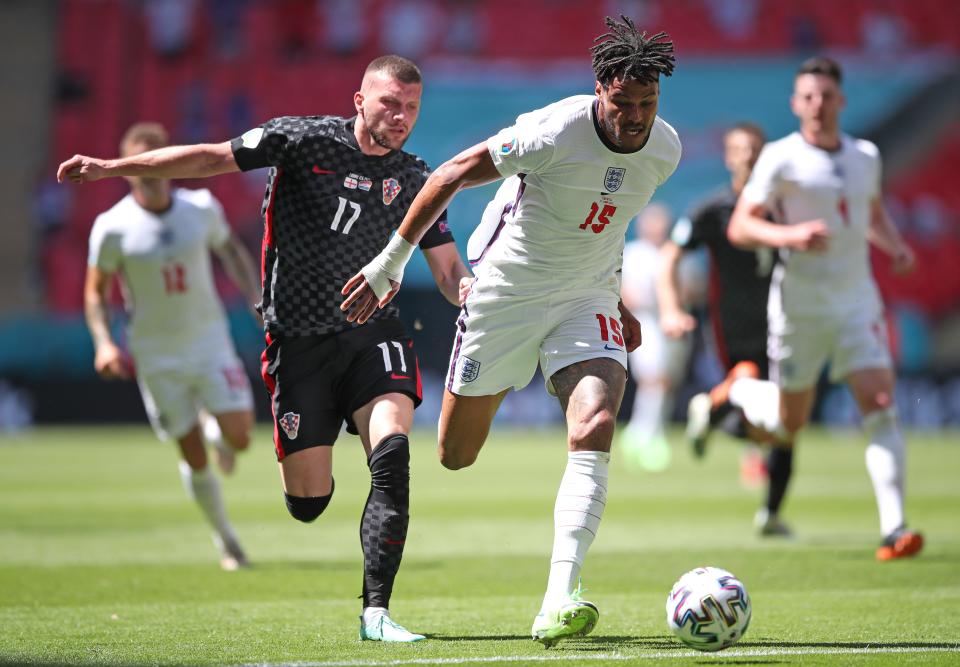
pixel 656 655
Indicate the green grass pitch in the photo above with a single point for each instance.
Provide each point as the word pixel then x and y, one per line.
pixel 103 561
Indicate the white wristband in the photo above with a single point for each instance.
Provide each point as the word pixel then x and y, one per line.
pixel 388 265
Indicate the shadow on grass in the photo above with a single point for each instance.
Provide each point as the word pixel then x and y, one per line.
pixel 661 643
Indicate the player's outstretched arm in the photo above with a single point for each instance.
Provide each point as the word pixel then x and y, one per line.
pixel 195 161
pixel 674 320
pixel 376 283
pixel 884 234
pixel 241 269
pixel 448 270
pixel 749 228
pixel 108 360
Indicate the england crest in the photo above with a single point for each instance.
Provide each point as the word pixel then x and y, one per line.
pixel 290 423
pixel 391 188
pixel 614 178
pixel 469 369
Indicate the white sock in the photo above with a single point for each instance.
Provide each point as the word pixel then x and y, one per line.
pixel 646 419
pixel 886 458
pixel 760 402
pixel 371 614
pixel 576 519
pixel 210 428
pixel 202 486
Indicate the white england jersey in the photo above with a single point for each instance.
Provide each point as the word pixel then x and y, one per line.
pixel 164 261
pixel 558 221
pixel 799 182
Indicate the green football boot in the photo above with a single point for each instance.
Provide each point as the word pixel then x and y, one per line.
pixel 573 617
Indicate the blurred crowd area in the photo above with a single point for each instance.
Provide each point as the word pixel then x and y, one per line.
pixel 211 69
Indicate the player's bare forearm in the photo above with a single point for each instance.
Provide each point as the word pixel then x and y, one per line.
pixel 668 293
pixel 195 161
pixel 240 268
pixel 448 270
pixel 748 228
pixel 471 168
pixel 883 233
pixel 674 320
pixel 95 306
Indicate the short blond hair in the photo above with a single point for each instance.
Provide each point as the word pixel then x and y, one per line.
pixel 152 135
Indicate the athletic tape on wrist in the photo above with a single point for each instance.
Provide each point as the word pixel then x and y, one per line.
pixel 388 265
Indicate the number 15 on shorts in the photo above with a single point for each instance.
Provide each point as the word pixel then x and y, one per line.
pixel 610 331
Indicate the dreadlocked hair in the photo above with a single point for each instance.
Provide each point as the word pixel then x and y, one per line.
pixel 627 53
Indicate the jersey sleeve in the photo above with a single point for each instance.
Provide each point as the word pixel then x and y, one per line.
pixel 700 226
pixel 525 148
pixel 219 230
pixel 764 180
pixel 438 233
pixel 265 146
pixel 105 251
pixel 876 187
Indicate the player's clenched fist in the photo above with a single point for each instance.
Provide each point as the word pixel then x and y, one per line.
pixel 81 169
pixel 810 236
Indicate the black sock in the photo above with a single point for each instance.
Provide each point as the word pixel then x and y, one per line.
pixel 383 528
pixel 779 469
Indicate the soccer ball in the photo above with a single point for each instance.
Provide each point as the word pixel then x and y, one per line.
pixel 708 609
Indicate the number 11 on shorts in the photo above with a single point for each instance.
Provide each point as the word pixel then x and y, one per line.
pixel 610 329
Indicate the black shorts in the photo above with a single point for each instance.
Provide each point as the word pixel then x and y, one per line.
pixel 318 382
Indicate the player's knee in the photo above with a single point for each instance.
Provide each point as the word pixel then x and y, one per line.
pixel 308 509
pixel 455 453
pixel 792 424
pixel 239 440
pixel 390 462
pixel 593 431
pixel 455 459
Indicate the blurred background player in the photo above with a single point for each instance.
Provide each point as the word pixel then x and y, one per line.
pixel 547 290
pixel 159 240
pixel 337 188
pixel 740 283
pixel 825 187
pixel 658 365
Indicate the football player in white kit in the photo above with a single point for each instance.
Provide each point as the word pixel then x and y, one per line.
pixel 547 290
pixel 824 186
pixel 159 240
pixel 657 366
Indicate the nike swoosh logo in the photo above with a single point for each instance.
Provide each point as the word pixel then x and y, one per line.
pixel 607 347
pixel 394 376
pixel 318 170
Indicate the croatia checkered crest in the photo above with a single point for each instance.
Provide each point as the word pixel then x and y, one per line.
pixel 708 609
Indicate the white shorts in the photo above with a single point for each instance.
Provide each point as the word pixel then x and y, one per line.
pixel 501 339
pixel 659 356
pixel 851 338
pixel 174 394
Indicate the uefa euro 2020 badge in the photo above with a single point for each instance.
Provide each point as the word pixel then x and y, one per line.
pixel 290 423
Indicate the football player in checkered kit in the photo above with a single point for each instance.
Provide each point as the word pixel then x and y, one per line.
pixel 824 188
pixel 337 188
pixel 547 290
pixel 158 241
